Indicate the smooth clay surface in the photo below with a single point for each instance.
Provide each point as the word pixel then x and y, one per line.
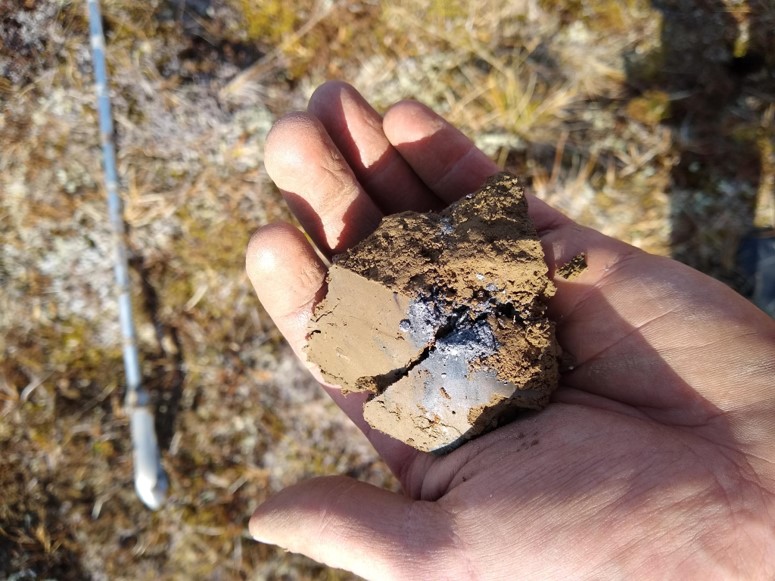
pixel 442 318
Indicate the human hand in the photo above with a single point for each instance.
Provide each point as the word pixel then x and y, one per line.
pixel 656 457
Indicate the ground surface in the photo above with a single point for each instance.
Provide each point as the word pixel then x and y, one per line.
pixel 652 121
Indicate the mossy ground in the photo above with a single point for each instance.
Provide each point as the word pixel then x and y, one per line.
pixel 632 117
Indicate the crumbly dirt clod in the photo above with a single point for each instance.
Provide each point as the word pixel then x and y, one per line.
pixel 442 317
pixel 574 267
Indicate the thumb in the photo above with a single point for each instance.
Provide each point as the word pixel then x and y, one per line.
pixel 355 526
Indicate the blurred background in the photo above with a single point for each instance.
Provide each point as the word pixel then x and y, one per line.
pixel 651 120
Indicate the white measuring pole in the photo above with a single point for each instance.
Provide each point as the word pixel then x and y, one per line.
pixel 150 480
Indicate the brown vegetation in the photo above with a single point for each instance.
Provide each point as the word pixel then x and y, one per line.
pixel 650 120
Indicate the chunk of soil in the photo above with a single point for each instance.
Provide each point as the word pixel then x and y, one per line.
pixel 574 267
pixel 442 318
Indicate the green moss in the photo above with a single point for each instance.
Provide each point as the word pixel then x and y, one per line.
pixel 651 108
pixel 745 133
pixel 103 448
pixel 269 21
pixel 204 515
pixel 273 424
pixel 73 348
pixel 448 10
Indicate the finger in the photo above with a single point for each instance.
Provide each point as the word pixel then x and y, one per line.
pixel 318 184
pixel 358 527
pixel 289 279
pixel 356 129
pixel 446 160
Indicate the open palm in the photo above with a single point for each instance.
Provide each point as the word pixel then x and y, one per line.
pixel 656 457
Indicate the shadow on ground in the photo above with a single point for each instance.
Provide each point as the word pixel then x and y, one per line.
pixel 717 67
